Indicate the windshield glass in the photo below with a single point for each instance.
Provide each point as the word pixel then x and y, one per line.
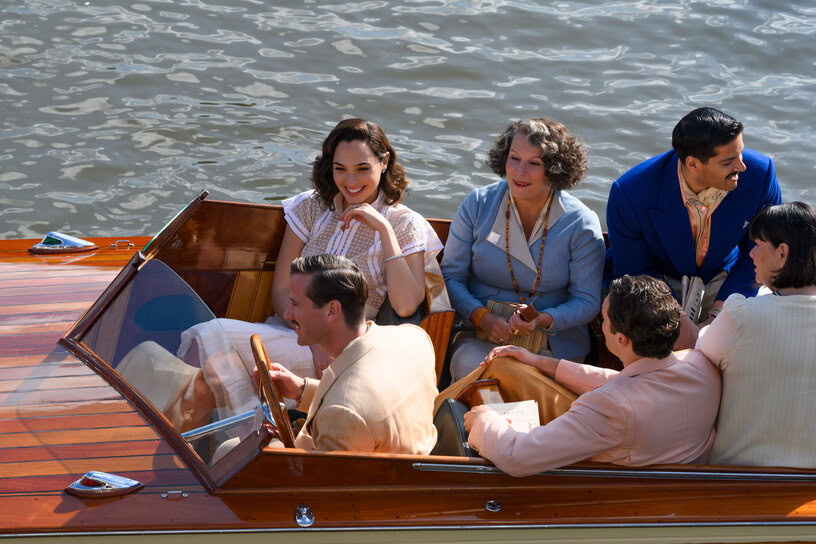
pixel 161 337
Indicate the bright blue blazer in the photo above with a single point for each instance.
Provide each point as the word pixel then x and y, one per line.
pixel 650 231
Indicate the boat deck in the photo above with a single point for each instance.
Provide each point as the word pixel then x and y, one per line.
pixel 58 419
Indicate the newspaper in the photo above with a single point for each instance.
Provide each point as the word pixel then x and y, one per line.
pixel 523 415
pixel 692 297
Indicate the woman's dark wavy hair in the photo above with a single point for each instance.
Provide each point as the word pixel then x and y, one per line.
pixel 643 309
pixel 562 153
pixel 392 181
pixel 793 223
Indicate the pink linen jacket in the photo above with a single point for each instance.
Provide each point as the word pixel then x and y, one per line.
pixel 653 411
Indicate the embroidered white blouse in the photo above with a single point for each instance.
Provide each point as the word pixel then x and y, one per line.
pixel 319 228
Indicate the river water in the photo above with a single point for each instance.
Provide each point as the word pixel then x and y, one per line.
pixel 113 115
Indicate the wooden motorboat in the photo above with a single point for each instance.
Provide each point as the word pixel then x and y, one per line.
pixel 65 411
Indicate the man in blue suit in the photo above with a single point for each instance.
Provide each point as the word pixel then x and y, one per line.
pixel 686 212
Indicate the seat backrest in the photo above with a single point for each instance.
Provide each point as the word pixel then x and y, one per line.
pixel 451 436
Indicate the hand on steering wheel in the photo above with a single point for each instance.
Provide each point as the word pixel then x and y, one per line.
pixel 272 393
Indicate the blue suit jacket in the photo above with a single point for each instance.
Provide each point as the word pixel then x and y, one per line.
pixel 650 231
pixel 475 268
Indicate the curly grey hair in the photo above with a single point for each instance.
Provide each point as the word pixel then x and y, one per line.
pixel 562 153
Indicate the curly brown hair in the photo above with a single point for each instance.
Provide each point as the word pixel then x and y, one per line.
pixel 643 309
pixel 392 181
pixel 562 153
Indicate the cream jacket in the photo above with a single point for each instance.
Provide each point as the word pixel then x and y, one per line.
pixel 377 396
pixel 766 349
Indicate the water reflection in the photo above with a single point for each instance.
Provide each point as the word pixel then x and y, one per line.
pixel 115 116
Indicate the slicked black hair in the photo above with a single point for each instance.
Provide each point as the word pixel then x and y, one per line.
pixel 701 131
pixel 334 278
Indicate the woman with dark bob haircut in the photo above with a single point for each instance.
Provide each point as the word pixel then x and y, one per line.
pixel 354 210
pixel 766 348
pixel 525 240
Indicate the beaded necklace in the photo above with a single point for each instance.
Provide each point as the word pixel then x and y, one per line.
pixel 540 253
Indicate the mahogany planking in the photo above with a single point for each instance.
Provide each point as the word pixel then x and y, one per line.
pixel 79 436
pixel 34 281
pixel 58 356
pixel 45 371
pixel 80 466
pixel 79 451
pixel 29 344
pixel 59 396
pixel 168 479
pixel 50 383
pixel 56 423
pixel 65 408
pixel 58 419
pixel 44 292
pixel 49 305
pixel 40 318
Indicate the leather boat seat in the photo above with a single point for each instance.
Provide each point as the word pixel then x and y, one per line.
pixel 450 429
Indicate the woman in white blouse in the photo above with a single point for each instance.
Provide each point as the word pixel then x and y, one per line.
pixel 354 210
pixel 766 348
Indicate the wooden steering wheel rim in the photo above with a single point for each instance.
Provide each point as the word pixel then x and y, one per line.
pixel 272 393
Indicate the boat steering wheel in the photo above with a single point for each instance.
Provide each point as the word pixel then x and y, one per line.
pixel 272 393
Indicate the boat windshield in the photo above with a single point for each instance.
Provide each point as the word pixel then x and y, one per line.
pixel 163 340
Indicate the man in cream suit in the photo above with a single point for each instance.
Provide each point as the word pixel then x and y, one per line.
pixel 378 392
pixel 659 409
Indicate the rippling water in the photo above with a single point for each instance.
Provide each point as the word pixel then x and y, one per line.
pixel 116 114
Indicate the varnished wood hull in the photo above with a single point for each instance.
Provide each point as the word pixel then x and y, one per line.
pixel 58 420
pixel 461 535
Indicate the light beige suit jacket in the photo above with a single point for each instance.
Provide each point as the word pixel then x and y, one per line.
pixel 377 396
pixel 653 411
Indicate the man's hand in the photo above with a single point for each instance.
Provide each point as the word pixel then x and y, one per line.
pixel 473 415
pixel 290 385
pixel 688 333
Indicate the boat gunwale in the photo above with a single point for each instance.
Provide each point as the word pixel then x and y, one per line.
pixel 658 472
pixel 412 528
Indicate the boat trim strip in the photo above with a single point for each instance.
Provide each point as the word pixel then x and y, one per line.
pixel 500 527
pixel 628 473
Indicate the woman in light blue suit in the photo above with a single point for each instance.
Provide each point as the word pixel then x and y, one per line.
pixel 524 239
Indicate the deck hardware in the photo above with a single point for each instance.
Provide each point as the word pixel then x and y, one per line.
pixel 493 506
pixel 174 495
pixel 57 243
pixel 95 484
pixel 303 515
pixel 127 244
